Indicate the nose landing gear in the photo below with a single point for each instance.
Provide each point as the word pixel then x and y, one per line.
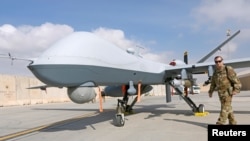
pixel 122 109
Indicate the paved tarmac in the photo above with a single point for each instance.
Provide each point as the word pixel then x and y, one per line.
pixel 153 120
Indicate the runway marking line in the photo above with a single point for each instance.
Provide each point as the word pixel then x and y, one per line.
pixel 39 128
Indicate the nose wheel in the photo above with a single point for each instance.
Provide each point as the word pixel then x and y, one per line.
pixel 120 119
pixel 119 116
pixel 122 108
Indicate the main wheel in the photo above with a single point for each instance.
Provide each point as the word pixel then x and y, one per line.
pixel 201 108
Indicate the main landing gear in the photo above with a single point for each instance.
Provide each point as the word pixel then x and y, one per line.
pixel 196 109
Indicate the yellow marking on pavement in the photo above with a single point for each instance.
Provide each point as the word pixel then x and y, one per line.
pixel 201 114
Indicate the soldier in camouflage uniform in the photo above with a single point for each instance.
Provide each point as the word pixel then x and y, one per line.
pixel 227 83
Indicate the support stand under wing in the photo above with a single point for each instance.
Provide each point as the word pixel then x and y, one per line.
pixel 188 100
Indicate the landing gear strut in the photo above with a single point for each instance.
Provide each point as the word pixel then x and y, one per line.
pixel 120 119
pixel 123 108
pixel 199 109
pixel 195 109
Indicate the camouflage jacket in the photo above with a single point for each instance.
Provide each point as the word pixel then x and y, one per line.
pixel 223 80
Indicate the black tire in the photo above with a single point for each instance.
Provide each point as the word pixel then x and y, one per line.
pixel 201 108
pixel 120 120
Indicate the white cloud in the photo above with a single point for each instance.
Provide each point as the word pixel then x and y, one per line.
pixel 28 40
pixel 226 51
pixel 244 35
pixel 115 36
pixel 220 15
pixel 159 57
pixel 220 11
pixel 7 29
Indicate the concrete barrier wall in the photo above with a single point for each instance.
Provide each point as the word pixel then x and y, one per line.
pixel 245 83
pixel 13 91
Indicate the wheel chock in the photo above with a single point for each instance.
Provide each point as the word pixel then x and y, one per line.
pixel 201 114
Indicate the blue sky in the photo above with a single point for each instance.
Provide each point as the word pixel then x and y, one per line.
pixel 164 28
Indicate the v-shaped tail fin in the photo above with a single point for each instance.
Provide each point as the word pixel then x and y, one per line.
pixel 218 48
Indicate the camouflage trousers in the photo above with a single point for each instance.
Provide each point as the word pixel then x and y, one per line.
pixel 226 112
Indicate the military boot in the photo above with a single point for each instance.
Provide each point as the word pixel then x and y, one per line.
pixel 218 123
pixel 231 119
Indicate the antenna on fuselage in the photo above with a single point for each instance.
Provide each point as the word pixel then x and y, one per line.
pixel 228 32
pixel 186 62
pixel 137 53
pixel 186 57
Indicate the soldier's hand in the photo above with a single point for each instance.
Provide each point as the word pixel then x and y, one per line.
pixel 234 92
